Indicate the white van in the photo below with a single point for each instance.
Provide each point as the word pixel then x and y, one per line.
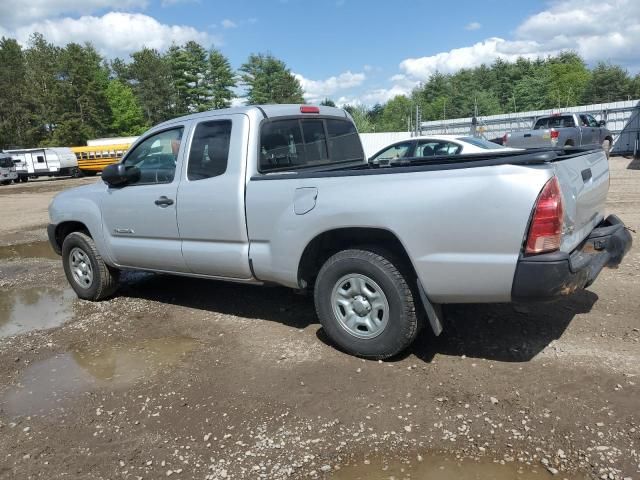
pixel 8 172
pixel 45 162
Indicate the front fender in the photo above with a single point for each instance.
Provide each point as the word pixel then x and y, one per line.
pixel 81 205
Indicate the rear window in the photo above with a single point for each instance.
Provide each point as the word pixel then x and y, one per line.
pixel 560 121
pixel 298 143
pixel 481 143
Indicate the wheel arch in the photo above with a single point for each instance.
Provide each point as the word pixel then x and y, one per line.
pixel 327 243
pixel 63 229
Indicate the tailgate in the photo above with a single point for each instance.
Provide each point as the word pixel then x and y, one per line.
pixel 584 181
pixel 530 139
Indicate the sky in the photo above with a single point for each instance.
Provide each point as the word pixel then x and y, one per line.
pixel 352 51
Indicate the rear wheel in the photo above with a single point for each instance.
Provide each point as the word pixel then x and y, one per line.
pixel 88 275
pixel 365 304
pixel 606 146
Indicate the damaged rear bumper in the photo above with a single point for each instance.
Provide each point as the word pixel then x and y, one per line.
pixel 550 275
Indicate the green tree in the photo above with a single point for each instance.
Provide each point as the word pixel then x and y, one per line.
pixel 83 110
pixel 634 87
pixel 42 79
pixel 126 115
pixel 14 119
pixel 361 118
pixel 189 74
pixel 327 102
pixel 607 83
pixel 268 80
pixel 395 115
pixel 221 80
pixel 150 77
pixel 567 79
pixel 530 93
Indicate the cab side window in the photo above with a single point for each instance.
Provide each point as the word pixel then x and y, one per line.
pixel 209 152
pixel 592 121
pixel 156 157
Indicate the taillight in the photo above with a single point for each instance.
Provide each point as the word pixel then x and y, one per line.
pixel 505 137
pixel 545 231
pixel 309 109
pixel 554 134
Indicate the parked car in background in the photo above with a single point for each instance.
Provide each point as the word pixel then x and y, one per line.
pixel 562 130
pixel 436 145
pixel 8 172
pixel 282 194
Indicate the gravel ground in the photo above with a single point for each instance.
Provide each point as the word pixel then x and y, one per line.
pixel 188 378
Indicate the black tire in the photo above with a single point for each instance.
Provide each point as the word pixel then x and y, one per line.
pixel 24 179
pixel 402 324
pixel 105 279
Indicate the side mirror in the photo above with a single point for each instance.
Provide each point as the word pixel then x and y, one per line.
pixel 602 123
pixel 117 175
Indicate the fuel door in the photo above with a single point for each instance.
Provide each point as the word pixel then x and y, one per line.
pixel 304 200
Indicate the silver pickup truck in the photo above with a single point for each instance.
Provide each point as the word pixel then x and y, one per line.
pixel 283 194
pixel 562 130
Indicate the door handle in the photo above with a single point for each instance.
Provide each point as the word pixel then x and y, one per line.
pixel 164 202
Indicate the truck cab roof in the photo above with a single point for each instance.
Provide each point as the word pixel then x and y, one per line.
pixel 266 111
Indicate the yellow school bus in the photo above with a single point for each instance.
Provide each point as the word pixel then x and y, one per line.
pixel 92 160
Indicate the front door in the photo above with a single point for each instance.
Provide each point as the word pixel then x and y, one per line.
pixel 589 132
pixel 211 215
pixel 139 219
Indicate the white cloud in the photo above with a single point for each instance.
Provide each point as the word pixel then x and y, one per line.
pixel 226 23
pixel 114 33
pixel 473 26
pixel 317 90
pixel 596 29
pixel 486 52
pixel 19 13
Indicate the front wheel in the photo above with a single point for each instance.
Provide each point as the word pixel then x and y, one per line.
pixel 89 276
pixel 365 304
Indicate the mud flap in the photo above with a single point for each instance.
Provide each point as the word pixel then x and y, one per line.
pixel 434 312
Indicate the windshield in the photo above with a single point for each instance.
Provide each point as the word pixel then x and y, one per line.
pixel 481 143
pixel 6 162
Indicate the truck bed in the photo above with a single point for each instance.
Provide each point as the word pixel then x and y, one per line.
pixel 477 211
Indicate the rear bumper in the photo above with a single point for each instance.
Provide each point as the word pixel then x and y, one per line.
pixel 551 275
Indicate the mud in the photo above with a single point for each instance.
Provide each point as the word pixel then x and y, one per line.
pixel 49 383
pixel 440 467
pixel 41 249
pixel 195 379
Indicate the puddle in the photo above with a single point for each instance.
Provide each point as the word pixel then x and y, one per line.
pixel 52 383
pixel 40 249
pixel 442 468
pixel 23 310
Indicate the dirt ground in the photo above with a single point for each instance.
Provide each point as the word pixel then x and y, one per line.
pixel 189 378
